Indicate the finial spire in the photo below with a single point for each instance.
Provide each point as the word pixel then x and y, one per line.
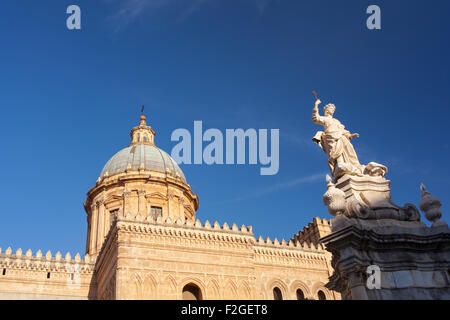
pixel 431 206
pixel 142 134
pixel 142 113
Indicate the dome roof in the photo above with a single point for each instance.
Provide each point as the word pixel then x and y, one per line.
pixel 142 154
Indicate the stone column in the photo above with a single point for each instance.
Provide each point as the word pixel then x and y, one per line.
pixel 107 220
pixel 181 212
pixel 101 216
pixel 93 235
pixel 126 202
pixel 142 203
pixel 88 240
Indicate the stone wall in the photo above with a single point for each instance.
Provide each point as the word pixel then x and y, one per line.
pixel 146 259
pixel 24 276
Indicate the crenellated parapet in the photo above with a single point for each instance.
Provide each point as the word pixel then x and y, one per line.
pixel 290 253
pixel 165 226
pixel 312 233
pixel 186 223
pixel 39 276
pixel 291 244
pixel 47 262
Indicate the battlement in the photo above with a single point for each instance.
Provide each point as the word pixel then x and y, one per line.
pixel 291 244
pixel 291 253
pixel 313 232
pixel 232 237
pixel 47 262
pixel 167 221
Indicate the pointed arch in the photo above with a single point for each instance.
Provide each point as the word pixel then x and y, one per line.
pixel 170 286
pixel 212 290
pixel 244 292
pixel 230 290
pixel 137 281
pixel 149 288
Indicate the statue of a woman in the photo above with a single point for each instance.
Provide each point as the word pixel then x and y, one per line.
pixel 335 142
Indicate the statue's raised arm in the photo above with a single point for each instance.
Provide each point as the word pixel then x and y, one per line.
pixel 316 118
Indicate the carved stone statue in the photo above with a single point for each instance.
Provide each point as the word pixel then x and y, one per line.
pixel 358 191
pixel 335 142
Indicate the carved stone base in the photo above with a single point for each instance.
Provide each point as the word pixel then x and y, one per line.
pixel 414 259
pixel 369 197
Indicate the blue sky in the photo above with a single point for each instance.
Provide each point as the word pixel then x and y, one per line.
pixel 68 100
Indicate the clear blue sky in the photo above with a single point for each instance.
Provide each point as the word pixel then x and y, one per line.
pixel 68 100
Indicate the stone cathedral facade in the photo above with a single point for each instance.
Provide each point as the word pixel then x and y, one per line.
pixel 144 241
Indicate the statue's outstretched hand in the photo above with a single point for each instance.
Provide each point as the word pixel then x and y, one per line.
pixel 316 106
pixel 354 135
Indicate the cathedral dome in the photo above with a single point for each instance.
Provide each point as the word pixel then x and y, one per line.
pixel 140 181
pixel 142 156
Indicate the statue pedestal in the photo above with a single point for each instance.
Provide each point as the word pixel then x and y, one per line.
pixel 413 259
pixel 369 197
pixel 373 191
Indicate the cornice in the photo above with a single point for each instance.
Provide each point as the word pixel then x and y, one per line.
pixel 146 177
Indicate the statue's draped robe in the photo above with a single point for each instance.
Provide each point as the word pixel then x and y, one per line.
pixel 336 144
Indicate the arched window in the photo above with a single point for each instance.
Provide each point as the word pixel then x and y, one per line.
pixel 321 295
pixel 300 294
pixel 138 137
pixel 145 138
pixel 277 294
pixel 192 292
